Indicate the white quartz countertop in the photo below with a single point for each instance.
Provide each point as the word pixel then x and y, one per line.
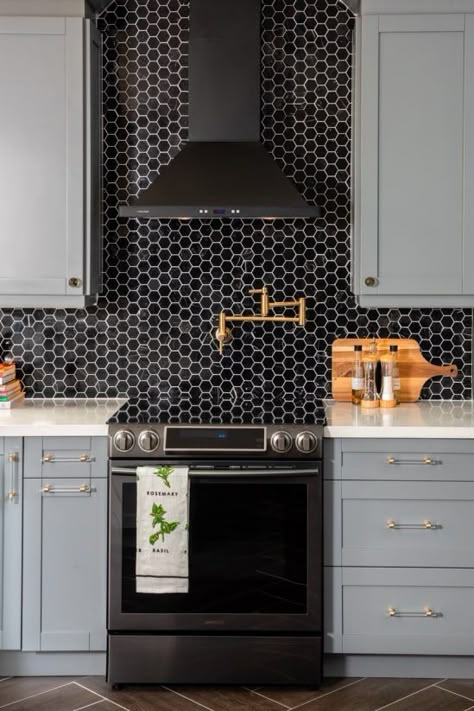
pixel 426 419
pixel 57 417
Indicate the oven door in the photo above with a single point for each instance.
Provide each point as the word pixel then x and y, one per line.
pixel 255 558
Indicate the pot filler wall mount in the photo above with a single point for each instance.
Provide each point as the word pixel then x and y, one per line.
pixel 223 171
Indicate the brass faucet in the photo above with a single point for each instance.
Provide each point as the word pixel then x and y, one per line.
pixel 224 334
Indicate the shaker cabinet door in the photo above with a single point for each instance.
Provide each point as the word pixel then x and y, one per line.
pixel 41 178
pixel 64 592
pixel 10 543
pixel 414 217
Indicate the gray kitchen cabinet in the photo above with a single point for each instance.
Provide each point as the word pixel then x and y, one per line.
pixel 50 175
pixel 399 552
pixel 65 536
pixel 406 611
pixel 11 486
pixel 414 160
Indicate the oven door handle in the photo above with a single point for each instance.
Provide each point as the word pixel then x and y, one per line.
pixel 228 473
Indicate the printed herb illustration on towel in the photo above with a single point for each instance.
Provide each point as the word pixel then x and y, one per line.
pixel 164 473
pixel 166 527
pixel 158 512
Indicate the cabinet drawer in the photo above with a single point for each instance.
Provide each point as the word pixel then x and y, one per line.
pixel 59 457
pixel 405 524
pixel 405 611
pixel 408 460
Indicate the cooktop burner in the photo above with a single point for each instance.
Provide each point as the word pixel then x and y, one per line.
pixel 243 412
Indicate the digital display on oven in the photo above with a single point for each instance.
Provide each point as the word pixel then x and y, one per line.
pixel 214 439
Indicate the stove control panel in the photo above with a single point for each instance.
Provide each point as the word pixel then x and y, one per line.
pixel 142 441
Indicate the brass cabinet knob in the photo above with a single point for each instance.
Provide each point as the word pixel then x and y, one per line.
pixel 75 282
pixel 371 281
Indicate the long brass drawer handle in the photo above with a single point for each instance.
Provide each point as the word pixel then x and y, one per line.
pixel 82 489
pixel 427 612
pixel 13 459
pixel 83 458
pixel 413 462
pixel 425 526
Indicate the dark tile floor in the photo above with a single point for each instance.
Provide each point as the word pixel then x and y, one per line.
pixel 75 694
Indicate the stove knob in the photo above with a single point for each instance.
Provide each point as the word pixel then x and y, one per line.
pixel 281 442
pixel 148 441
pixel 124 441
pixel 306 442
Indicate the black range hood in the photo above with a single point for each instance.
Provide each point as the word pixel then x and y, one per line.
pixel 224 171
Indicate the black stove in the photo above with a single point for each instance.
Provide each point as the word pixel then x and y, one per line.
pixel 253 610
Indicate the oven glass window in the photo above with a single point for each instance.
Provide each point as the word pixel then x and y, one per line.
pixel 247 550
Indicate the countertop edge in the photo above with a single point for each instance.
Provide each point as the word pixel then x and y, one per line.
pixel 73 430
pixel 392 432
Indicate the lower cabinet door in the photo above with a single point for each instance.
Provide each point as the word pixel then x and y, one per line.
pixel 64 592
pixel 408 611
pixel 10 542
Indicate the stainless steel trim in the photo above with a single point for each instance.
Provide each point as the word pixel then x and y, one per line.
pixel 214 449
pixel 241 472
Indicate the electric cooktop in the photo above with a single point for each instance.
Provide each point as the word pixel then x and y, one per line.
pixel 144 411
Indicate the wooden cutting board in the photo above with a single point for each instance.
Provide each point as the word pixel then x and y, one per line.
pixel 414 368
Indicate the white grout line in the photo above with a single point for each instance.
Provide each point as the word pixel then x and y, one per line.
pixel 188 698
pixel 32 696
pixel 87 706
pixel 268 698
pixel 6 678
pixel 104 698
pixel 328 693
pixel 469 698
pixel 408 696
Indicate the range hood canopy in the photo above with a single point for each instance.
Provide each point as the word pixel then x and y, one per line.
pixel 224 171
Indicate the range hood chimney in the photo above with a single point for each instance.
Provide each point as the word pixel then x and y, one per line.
pixel 223 171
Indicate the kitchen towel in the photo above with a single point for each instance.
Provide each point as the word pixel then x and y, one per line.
pixel 162 529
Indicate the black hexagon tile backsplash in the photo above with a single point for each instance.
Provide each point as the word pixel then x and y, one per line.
pixel 165 280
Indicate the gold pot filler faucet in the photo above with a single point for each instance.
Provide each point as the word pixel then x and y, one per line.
pixel 224 334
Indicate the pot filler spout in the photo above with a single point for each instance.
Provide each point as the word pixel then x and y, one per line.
pixel 223 170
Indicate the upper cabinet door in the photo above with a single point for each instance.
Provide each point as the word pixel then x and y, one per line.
pixel 49 177
pixel 416 159
pixel 41 135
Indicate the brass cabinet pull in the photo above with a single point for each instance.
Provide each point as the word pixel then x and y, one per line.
pixel 13 459
pixel 426 612
pixel 427 525
pixel 425 460
pixel 82 489
pixel 371 281
pixel 83 458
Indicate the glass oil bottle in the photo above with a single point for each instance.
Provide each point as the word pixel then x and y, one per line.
pixel 370 396
pixel 357 376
